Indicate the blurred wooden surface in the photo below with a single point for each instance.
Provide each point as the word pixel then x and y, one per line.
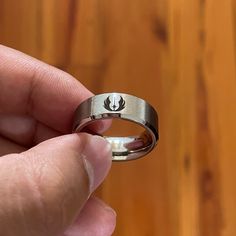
pixel 180 56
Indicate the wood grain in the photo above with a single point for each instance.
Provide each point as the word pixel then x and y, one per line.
pixel 180 56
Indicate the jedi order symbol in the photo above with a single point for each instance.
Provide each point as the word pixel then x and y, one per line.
pixel 117 103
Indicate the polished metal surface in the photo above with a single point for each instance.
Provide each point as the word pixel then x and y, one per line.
pixel 121 106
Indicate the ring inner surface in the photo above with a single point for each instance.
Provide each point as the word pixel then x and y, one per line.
pixel 129 140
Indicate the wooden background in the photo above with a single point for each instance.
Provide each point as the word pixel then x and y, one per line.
pixel 180 56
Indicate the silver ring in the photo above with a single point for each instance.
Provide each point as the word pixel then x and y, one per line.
pixel 121 106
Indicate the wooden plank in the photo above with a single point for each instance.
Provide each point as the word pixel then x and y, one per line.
pixel 19 25
pixel 135 40
pixel 178 55
pixel 219 69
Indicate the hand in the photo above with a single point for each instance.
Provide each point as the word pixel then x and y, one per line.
pixel 47 174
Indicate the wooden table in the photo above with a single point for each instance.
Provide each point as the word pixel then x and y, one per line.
pixel 180 56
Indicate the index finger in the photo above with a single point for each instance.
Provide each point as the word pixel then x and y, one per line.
pixel 29 86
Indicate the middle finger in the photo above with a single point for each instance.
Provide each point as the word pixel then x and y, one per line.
pixel 24 130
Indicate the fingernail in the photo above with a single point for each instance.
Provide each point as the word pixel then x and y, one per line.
pixel 97 159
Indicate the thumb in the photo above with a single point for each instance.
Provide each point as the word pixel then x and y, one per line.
pixel 44 188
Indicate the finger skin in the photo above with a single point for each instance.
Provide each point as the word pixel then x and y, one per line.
pixel 43 189
pixel 25 130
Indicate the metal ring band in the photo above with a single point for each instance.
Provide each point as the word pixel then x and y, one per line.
pixel 121 106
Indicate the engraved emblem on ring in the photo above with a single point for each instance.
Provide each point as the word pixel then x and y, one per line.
pixel 117 103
